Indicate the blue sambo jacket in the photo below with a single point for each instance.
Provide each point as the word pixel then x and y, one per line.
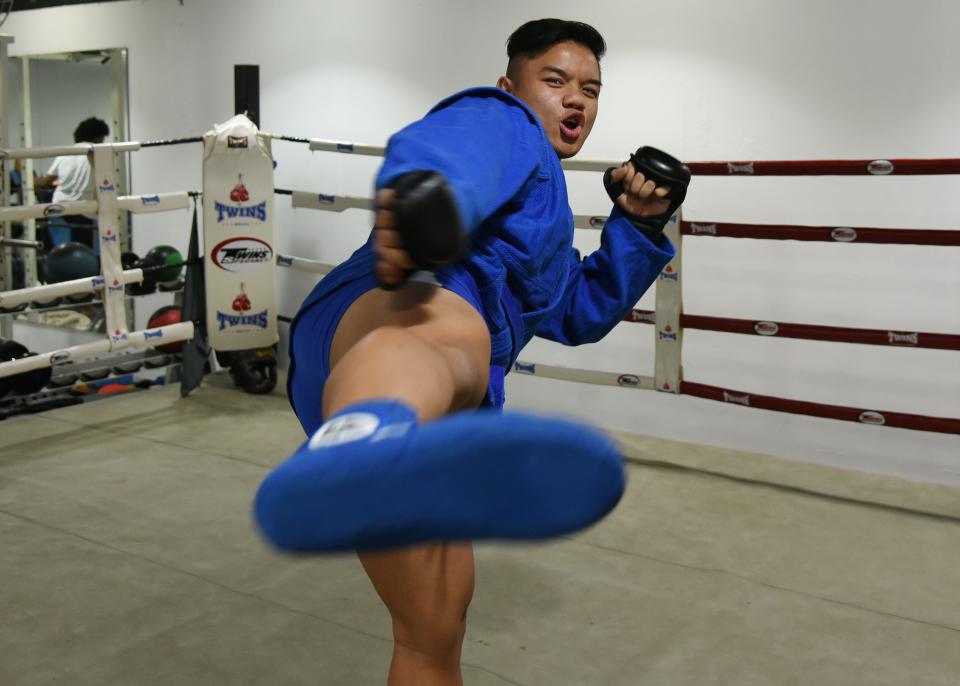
pixel 512 196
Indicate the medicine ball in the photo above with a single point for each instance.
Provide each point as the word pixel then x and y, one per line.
pixel 71 261
pixel 171 314
pixel 166 255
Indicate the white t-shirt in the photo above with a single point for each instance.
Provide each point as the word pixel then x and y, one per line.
pixel 73 173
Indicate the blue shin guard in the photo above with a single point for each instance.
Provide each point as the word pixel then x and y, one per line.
pixel 372 478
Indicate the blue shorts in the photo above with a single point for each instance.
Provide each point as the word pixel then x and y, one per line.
pixel 311 334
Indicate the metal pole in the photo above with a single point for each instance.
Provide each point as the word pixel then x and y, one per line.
pixel 6 253
pixel 29 226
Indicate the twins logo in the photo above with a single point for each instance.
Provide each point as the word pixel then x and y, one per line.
pixel 238 142
pixel 742 168
pixel 327 199
pixel 225 320
pixel 285 260
pixel 97 282
pixel 709 229
pixel 106 186
pixel 638 316
pixel 668 334
pixel 258 212
pixel 669 275
pixel 345 429
pixel 239 194
pixel 629 380
pixel 242 254
pixel 843 234
pixel 344 147
pixel 119 336
pixel 871 417
pixel 354 427
pixel 598 222
pixel 108 236
pixel 150 335
pixel 241 304
pixel 766 328
pixel 895 338
pixel 738 399
pixel 115 287
pixel 525 368
pixel 149 200
pixel 59 356
pixel 880 167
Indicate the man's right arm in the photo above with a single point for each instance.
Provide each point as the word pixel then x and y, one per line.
pixel 485 144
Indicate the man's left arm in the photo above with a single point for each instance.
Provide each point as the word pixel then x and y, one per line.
pixel 603 287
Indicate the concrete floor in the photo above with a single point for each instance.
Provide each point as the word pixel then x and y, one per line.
pixel 127 557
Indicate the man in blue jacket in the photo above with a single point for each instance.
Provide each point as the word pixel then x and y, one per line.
pixel 386 381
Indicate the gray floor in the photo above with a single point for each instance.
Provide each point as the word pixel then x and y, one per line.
pixel 127 557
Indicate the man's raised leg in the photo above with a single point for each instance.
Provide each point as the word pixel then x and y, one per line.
pixel 396 464
pixel 434 356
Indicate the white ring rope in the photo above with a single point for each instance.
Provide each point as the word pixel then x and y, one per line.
pixel 88 284
pixel 147 338
pixel 304 265
pixel 138 204
pixel 340 203
pixel 319 144
pixel 590 376
pixel 63 151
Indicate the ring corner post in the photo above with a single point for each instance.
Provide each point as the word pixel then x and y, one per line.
pixel 668 370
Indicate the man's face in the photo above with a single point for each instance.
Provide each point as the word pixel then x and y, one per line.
pixel 561 85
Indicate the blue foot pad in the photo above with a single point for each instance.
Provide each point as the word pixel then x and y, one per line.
pixel 372 478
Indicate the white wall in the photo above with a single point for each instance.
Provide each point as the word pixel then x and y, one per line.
pixel 64 93
pixel 746 79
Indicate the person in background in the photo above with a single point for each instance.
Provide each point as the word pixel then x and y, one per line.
pixel 71 178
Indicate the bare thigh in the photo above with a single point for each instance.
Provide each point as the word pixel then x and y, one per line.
pixel 401 342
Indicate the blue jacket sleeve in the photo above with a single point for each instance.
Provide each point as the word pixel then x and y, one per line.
pixel 604 287
pixel 484 141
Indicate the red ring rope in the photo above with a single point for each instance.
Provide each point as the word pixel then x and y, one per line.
pixel 851 414
pixel 827 167
pixel 834 234
pixel 810 332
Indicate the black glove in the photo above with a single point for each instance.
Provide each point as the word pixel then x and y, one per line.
pixel 428 220
pixel 23 383
pixel 254 370
pixel 663 170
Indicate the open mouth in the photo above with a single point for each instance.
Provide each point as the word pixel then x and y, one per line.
pixel 571 126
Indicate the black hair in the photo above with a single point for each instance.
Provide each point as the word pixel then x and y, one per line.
pixel 536 36
pixel 90 130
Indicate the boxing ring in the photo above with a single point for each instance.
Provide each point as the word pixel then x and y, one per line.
pixel 668 319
